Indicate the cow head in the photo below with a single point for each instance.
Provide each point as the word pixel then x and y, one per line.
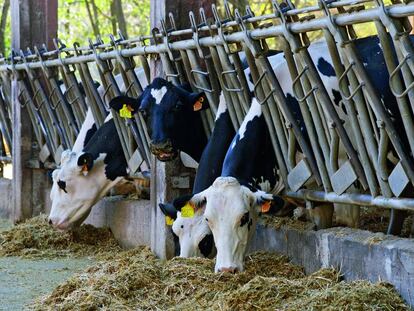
pixel 194 235
pixel 170 112
pixel 231 213
pixel 77 185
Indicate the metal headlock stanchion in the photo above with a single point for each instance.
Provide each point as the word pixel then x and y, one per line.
pixel 134 157
pixel 372 130
pixel 300 174
pixel 44 138
pixel 58 102
pixel 41 104
pixel 5 113
pixel 76 99
pixel 218 68
pixel 133 88
pixel 95 101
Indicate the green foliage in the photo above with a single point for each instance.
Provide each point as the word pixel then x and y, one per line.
pixel 75 24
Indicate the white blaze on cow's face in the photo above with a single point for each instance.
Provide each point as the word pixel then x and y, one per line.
pixel 231 213
pixel 75 190
pixel 191 232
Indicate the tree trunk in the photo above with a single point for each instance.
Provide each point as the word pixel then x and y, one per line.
pixel 118 15
pixel 93 17
pixel 3 21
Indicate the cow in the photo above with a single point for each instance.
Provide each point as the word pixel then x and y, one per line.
pixel 93 167
pixel 173 117
pixel 230 204
pixel 88 171
pixel 194 236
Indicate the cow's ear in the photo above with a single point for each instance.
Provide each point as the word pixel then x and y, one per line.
pixel 168 210
pixel 126 106
pixel 198 101
pixel 66 155
pixel 85 163
pixel 268 203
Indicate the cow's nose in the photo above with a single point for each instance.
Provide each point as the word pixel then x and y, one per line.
pixel 229 269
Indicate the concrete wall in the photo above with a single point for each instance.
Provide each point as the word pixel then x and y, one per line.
pixel 357 254
pixel 129 220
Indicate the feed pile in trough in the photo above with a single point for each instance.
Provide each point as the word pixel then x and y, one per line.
pixel 35 238
pixel 137 280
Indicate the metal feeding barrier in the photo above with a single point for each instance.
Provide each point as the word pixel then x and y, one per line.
pixel 378 166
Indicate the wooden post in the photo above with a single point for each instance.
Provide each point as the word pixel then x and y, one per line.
pixel 33 23
pixel 162 189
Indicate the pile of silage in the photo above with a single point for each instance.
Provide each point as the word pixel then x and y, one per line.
pixel 137 280
pixel 35 238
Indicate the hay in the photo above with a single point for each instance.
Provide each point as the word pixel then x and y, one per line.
pixel 280 222
pixel 35 238
pixel 136 279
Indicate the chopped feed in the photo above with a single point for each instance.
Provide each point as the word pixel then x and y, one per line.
pixel 137 280
pixel 35 238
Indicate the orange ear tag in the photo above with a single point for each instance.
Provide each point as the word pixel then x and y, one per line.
pixel 266 206
pixel 85 169
pixel 197 106
pixel 187 211
pixel 125 112
pixel 169 221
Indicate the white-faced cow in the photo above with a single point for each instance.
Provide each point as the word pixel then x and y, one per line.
pixel 87 172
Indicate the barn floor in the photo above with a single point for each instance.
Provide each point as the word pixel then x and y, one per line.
pixel 23 280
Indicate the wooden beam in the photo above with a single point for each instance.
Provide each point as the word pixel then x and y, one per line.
pixel 33 23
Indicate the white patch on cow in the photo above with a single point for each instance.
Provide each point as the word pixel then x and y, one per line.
pixel 188 161
pixel 86 126
pixel 158 94
pixel 254 111
pixel 190 232
pixel 222 108
pixel 263 184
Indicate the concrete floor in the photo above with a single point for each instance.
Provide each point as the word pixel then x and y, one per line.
pixel 23 280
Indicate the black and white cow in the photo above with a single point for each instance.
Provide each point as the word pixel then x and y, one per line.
pixel 173 118
pixel 194 235
pixel 87 172
pixel 230 207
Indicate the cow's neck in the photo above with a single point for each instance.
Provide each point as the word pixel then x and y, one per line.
pixel 192 138
pixel 211 161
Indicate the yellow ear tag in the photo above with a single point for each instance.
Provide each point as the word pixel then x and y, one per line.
pixel 266 206
pixel 125 112
pixel 169 221
pixel 187 211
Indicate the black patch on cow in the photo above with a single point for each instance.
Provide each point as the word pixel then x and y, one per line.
pixel 89 134
pixel 168 209
pixel 245 218
pixel 206 245
pixel 62 185
pixel 176 244
pixel 106 140
pixel 325 68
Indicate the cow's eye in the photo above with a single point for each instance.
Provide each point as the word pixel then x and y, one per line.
pixel 244 220
pixel 207 219
pixel 177 106
pixel 62 185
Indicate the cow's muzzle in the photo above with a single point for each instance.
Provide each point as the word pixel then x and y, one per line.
pixel 164 151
